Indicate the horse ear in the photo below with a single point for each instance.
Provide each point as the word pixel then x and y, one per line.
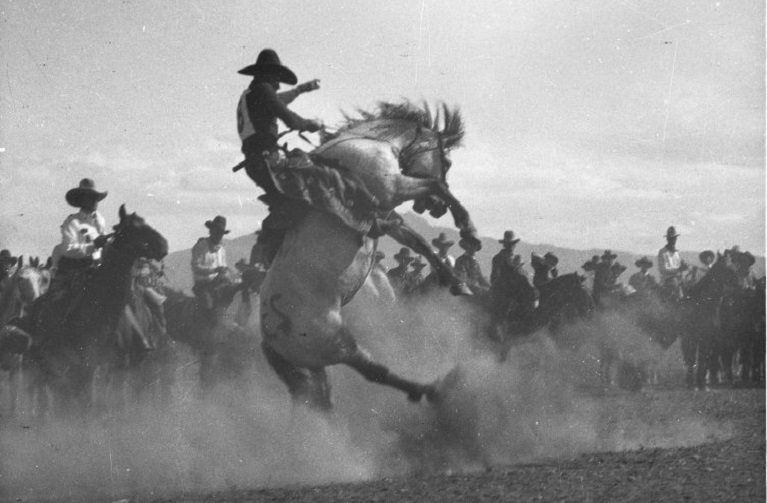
pixel 49 263
pixel 122 212
pixel 34 262
pixel 20 261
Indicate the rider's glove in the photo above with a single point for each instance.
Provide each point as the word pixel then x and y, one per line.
pixel 100 241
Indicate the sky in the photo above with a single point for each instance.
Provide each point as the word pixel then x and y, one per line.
pixel 590 124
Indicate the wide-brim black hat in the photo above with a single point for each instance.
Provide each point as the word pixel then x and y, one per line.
pixel 268 63
pixel 87 188
pixel 218 223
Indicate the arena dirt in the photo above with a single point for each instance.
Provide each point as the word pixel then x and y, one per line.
pixel 529 427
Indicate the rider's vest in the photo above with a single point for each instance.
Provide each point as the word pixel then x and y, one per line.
pixel 245 126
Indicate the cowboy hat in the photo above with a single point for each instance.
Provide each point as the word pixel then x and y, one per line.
pixel 671 232
pixel 418 264
pixel 609 255
pixel 591 265
pixel 442 242
pixel 644 262
pixel 6 257
pixel 86 188
pixel 218 223
pixel 508 237
pixel 268 63
pixel 403 255
pixel 707 257
pixel 468 244
pixel 550 259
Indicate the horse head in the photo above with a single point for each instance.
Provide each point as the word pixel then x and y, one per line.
pixel 134 238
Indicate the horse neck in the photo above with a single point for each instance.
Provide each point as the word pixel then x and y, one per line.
pixel 110 288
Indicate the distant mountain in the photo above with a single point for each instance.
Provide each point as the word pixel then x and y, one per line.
pixel 179 275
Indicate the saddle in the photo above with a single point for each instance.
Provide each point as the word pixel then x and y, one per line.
pixel 324 185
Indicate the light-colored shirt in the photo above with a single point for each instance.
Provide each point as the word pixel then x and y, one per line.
pixel 205 260
pixel 78 232
pixel 669 263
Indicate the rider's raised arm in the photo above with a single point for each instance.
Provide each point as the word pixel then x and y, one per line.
pixel 287 97
pixel 279 109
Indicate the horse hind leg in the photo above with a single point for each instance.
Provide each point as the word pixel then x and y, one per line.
pixel 308 387
pixel 380 374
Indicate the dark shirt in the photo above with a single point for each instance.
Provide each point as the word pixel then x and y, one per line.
pixel 468 270
pixel 264 107
pixel 502 266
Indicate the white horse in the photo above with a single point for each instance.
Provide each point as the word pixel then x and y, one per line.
pixel 397 154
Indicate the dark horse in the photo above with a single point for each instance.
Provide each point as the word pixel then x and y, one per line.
pixel 560 301
pixel 213 338
pixel 74 338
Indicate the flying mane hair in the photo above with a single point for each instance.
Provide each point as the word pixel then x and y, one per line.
pixel 452 132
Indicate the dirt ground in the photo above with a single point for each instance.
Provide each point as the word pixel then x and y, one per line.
pixel 720 469
pixel 720 457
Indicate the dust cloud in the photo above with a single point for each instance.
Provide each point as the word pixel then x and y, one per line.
pixel 546 400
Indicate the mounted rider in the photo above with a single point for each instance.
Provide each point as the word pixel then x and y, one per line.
pixel 415 279
pixel 259 108
pixel 544 268
pixel 604 277
pixel 642 281
pixel 468 269
pixel 398 275
pixel 442 244
pixel 7 261
pixel 83 235
pixel 671 266
pixel 209 268
pixel 512 297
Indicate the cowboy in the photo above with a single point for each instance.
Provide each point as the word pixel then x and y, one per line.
pixel 442 244
pixel 209 268
pixel 642 281
pixel 544 268
pixel 604 276
pixel 743 262
pixel 707 259
pixel 7 261
pixel 513 298
pixel 415 281
pixel 82 235
pixel 398 275
pixel 468 270
pixel 258 110
pixel 503 259
pixel 671 266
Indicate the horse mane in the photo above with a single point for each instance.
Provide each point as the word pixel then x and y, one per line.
pixel 452 131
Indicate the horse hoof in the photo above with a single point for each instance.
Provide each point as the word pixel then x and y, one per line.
pixel 460 289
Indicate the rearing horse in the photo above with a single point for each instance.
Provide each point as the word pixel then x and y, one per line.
pixel 398 153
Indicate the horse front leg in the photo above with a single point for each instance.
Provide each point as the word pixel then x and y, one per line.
pixel 420 189
pixel 402 233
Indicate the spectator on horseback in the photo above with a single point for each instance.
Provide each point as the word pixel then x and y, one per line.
pixel 443 244
pixel 398 275
pixel 82 235
pixel 467 268
pixel 415 279
pixel 7 261
pixel 671 266
pixel 503 259
pixel 604 277
pixel 544 268
pixel 258 111
pixel 697 272
pixel 209 268
pixel 642 281
pixel 743 262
